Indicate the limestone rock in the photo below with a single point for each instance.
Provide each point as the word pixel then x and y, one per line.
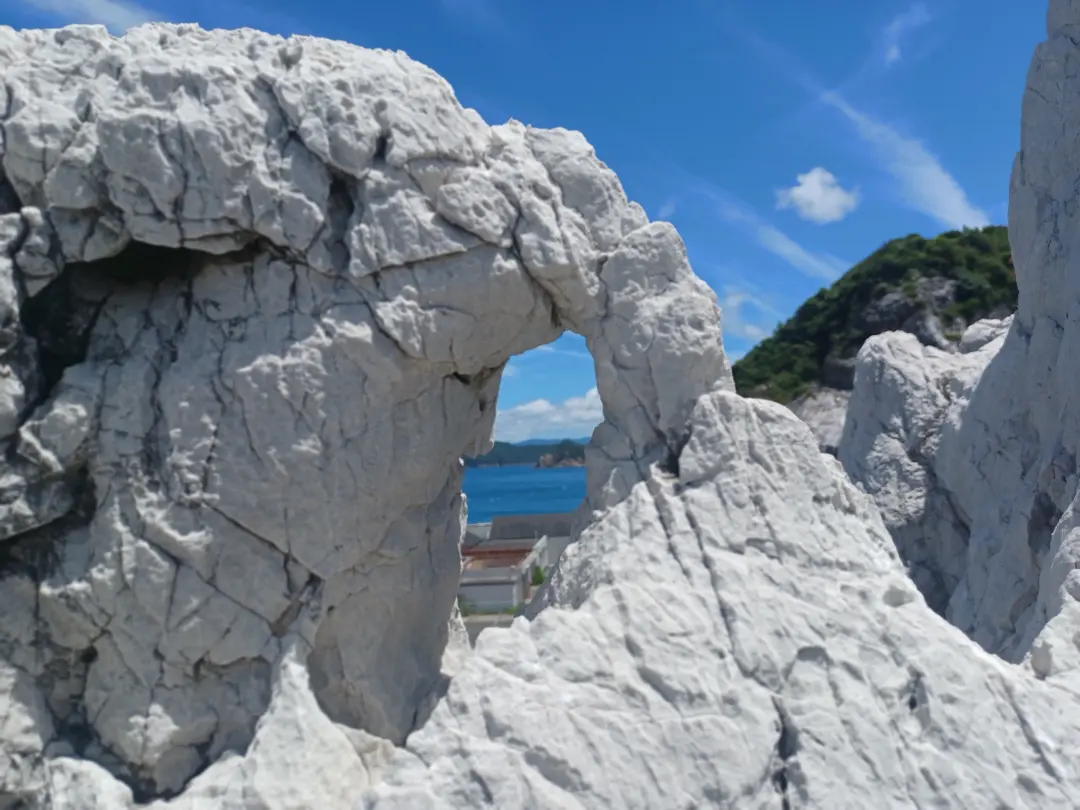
pixel 258 296
pixel 983 332
pixel 1002 472
pixel 904 393
pixel 286 276
pixel 1016 446
pixel 738 634
pixel 823 410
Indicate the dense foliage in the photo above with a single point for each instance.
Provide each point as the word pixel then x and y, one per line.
pixel 505 453
pixel 785 365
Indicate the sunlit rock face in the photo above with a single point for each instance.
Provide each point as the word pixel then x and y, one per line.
pixel 972 457
pixel 261 292
pixel 905 395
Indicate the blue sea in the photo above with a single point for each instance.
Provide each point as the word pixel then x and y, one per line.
pixel 522 490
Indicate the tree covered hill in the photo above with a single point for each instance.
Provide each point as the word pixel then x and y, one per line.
pixel 932 287
pixel 504 453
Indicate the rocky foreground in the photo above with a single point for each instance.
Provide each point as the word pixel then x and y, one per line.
pixel 259 296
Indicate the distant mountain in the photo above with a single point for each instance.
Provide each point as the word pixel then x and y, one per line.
pixel 558 453
pixel 552 442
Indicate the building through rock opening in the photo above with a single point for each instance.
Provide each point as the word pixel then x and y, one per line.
pixel 505 560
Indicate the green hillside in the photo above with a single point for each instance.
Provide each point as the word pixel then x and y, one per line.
pixel 959 276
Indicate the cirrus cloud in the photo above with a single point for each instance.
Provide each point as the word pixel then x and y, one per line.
pixel 116 15
pixel 899 27
pixel 923 182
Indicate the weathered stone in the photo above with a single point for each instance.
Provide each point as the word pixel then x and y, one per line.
pixel 266 289
pixel 904 393
pixel 299 268
pixel 823 410
pixel 987 502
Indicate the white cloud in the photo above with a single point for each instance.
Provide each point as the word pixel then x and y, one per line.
pixel 817 196
pixel 902 24
pixel 116 15
pixel 547 348
pixel 824 266
pixel 569 419
pixel 924 183
pixel 667 210
pixel 738 323
pixel 510 370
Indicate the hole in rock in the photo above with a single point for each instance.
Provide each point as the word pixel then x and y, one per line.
pixel 522 493
pixel 9 200
pixel 61 317
pixel 1042 520
pixel 520 498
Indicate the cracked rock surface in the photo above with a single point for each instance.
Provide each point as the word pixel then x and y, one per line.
pixel 972 458
pixel 905 393
pixel 257 298
pixel 737 629
pixel 265 290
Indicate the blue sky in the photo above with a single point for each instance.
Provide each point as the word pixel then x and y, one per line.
pixel 784 144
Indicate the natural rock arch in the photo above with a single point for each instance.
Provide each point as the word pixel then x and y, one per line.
pixel 732 628
pixel 273 436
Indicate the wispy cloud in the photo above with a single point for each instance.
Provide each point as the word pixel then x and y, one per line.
pixel 483 14
pixel 899 27
pixel 924 184
pixel 746 316
pixel 667 209
pixel 116 15
pixel 571 418
pixel 549 349
pixel 817 265
pixel 817 196
pixel 822 266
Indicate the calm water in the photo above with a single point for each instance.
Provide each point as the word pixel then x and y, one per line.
pixel 522 490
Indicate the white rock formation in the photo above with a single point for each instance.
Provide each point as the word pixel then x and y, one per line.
pixel 740 635
pixel 904 393
pixel 232 481
pixel 1011 460
pixel 987 501
pixel 267 288
pixel 823 410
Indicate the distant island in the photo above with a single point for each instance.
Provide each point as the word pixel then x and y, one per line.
pixel 557 453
